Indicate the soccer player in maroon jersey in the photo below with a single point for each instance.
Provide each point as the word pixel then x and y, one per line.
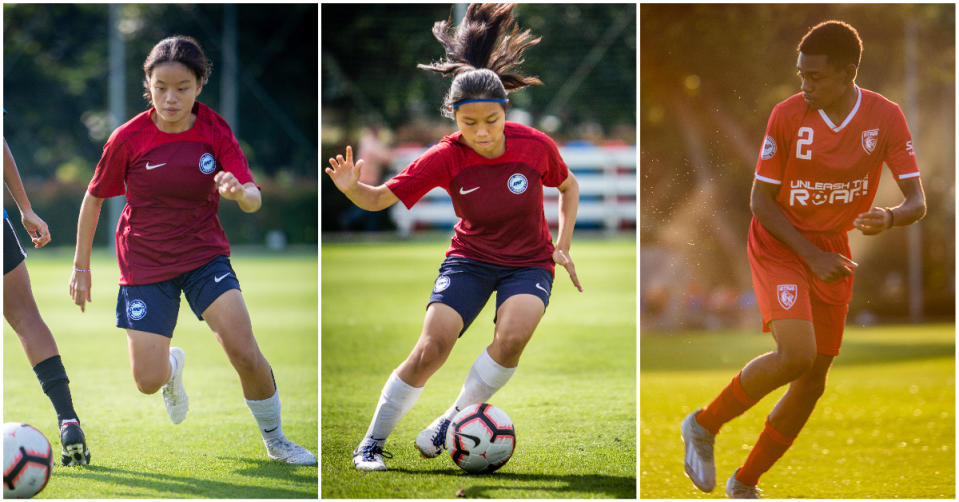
pixel 20 310
pixel 174 162
pixel 495 172
pixel 816 178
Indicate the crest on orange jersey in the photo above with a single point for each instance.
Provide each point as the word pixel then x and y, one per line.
pixel 869 140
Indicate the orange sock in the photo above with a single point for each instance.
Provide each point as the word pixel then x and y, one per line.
pixel 729 404
pixel 770 446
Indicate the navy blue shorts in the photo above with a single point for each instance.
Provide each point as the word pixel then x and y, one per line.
pixel 466 285
pixel 154 307
pixel 13 253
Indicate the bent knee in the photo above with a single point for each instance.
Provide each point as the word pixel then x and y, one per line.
pixel 149 383
pixel 796 363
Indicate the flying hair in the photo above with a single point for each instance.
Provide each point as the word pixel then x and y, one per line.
pixel 481 54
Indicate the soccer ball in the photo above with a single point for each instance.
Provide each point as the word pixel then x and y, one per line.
pixel 27 460
pixel 481 438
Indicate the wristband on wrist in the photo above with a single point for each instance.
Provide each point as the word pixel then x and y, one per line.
pixel 892 217
pixel 75 269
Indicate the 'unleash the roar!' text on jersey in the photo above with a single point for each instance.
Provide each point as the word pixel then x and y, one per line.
pixel 829 173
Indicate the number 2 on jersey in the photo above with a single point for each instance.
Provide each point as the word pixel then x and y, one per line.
pixel 804 141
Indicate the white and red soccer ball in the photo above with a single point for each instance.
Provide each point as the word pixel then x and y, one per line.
pixel 481 438
pixel 27 460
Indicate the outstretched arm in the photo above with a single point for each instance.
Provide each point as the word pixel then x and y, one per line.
pixel 568 205
pixel 34 225
pixel 346 176
pixel 827 266
pixel 912 209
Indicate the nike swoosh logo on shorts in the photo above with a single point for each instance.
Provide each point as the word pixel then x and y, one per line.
pixel 464 192
pixel 541 288
pixel 218 279
pixel 154 166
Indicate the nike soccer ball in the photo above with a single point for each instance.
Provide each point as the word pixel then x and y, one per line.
pixel 481 438
pixel 27 461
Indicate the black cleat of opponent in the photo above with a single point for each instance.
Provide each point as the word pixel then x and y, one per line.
pixel 75 451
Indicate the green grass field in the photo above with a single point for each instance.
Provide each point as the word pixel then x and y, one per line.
pixel 136 451
pixel 884 429
pixel 572 398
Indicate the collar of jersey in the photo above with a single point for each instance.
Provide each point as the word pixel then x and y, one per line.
pixel 848 117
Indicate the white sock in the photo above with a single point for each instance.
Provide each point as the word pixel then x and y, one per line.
pixel 172 367
pixel 396 399
pixel 485 377
pixel 267 415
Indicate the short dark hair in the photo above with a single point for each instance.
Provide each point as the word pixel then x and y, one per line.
pixel 837 40
pixel 177 49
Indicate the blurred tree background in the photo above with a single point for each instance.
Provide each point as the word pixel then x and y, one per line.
pixel 710 76
pixel 586 59
pixel 56 69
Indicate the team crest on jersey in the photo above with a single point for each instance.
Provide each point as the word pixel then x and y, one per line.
pixel 207 164
pixel 786 293
pixel 136 310
pixel 769 148
pixel 517 183
pixel 442 282
pixel 869 140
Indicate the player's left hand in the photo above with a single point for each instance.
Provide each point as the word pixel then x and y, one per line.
pixel 228 186
pixel 561 257
pixel 873 222
pixel 36 227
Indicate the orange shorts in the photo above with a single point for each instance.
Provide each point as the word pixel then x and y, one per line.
pixel 787 289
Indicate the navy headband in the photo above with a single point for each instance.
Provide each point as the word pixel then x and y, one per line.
pixel 490 100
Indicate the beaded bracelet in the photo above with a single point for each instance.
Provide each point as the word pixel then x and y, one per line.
pixel 75 269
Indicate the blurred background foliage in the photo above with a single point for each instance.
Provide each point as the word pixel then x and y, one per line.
pixel 56 68
pixel 710 76
pixel 369 53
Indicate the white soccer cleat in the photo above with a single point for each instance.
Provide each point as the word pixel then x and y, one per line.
pixel 700 466
pixel 287 451
pixel 368 456
pixel 431 440
pixel 736 489
pixel 174 395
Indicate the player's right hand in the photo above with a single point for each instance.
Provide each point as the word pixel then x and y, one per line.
pixel 344 172
pixel 80 288
pixel 36 227
pixel 831 267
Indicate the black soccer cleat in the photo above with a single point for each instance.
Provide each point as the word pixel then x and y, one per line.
pixel 75 451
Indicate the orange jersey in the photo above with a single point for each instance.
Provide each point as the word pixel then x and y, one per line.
pixel 829 173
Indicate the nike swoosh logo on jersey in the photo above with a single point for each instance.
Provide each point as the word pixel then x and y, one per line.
pixel 154 166
pixel 541 288
pixel 224 276
pixel 464 192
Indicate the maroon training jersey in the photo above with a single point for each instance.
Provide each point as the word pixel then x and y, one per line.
pixel 499 201
pixel 169 224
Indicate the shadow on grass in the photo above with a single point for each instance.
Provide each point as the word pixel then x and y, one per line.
pixel 710 352
pixel 155 484
pixel 595 485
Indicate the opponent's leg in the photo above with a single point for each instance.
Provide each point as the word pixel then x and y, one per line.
pixel 516 320
pixel 229 319
pixel 440 331
pixel 20 310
